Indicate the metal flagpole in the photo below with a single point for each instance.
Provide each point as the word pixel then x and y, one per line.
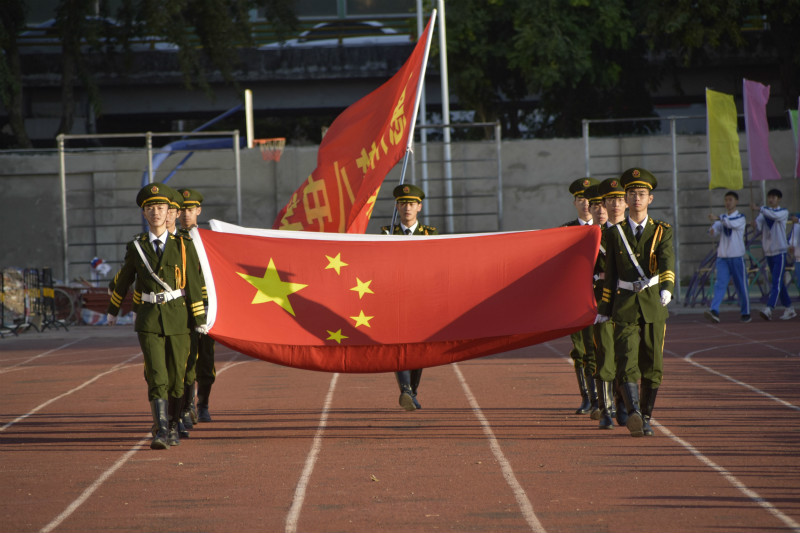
pixel 413 122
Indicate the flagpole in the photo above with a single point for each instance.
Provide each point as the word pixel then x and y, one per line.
pixel 413 123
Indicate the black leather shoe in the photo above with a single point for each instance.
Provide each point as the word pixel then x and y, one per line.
pixel 647 430
pixel 202 414
pixel 407 399
pixel 182 431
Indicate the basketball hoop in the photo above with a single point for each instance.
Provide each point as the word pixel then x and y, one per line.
pixel 271 149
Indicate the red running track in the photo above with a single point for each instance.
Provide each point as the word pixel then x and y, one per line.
pixel 495 447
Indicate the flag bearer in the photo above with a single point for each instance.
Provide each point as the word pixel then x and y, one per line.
pixel 582 352
pixel 408 200
pixel 201 356
pixel 639 282
pixel 611 196
pixel 165 270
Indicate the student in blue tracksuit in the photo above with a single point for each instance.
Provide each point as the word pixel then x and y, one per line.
pixel 771 224
pixel 730 257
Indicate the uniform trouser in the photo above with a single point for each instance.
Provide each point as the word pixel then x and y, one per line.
pixel 191 362
pixel 604 351
pixel 164 363
pixel 778 291
pixel 639 347
pixel 727 268
pixel 205 370
pixel 582 352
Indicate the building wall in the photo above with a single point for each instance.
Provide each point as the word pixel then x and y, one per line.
pixel 535 173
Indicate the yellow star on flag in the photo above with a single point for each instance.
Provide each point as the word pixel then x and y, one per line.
pixel 272 289
pixel 362 288
pixel 336 336
pixel 362 320
pixel 335 263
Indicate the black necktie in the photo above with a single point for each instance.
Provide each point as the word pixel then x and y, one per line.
pixel 157 245
pixel 638 232
pixel 407 231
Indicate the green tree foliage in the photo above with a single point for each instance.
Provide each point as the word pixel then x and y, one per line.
pixel 12 20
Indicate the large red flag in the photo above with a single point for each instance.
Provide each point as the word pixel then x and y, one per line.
pixel 358 150
pixel 372 303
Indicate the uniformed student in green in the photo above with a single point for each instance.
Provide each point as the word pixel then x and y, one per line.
pixel 640 279
pixel 408 201
pixel 200 367
pixel 582 352
pixel 607 204
pixel 165 270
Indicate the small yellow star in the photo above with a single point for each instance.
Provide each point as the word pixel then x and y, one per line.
pixel 336 336
pixel 362 288
pixel 362 320
pixel 335 263
pixel 272 289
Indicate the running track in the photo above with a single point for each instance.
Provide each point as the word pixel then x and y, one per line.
pixel 495 447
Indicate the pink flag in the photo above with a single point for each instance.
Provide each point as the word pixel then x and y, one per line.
pixel 797 154
pixel 762 167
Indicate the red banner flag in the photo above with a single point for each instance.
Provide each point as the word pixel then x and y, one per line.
pixel 358 150
pixel 372 303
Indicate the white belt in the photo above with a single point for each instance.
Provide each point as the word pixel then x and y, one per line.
pixel 161 297
pixel 637 286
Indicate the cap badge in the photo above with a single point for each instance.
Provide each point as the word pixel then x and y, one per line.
pixel 614 183
pixel 406 190
pixel 636 173
pixel 586 183
pixel 186 194
pixel 154 189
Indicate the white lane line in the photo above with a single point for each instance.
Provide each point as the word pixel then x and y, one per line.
pixel 311 459
pixel 71 508
pixel 141 445
pixel 771 509
pixel 753 495
pixel 43 354
pixel 519 493
pixel 688 359
pixel 39 407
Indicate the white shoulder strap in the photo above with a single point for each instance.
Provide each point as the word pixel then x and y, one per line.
pixel 149 269
pixel 630 252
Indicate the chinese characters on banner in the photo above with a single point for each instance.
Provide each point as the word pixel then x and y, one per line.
pixel 359 149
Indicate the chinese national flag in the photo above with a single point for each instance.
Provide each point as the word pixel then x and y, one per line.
pixel 364 303
pixel 358 151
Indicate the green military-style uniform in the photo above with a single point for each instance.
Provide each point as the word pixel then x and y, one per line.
pixel 408 380
pixel 605 375
pixel 582 352
pixel 632 299
pixel 165 313
pixel 200 366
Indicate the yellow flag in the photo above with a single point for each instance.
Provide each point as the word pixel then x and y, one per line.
pixel 724 161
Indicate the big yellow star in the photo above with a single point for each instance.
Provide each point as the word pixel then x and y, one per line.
pixel 336 336
pixel 335 263
pixel 272 289
pixel 362 288
pixel 362 320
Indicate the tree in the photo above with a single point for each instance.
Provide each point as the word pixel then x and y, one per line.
pixel 12 17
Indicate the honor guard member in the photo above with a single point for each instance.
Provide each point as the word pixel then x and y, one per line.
pixel 201 356
pixel 408 200
pixel 582 352
pixel 640 278
pixel 612 196
pixel 165 270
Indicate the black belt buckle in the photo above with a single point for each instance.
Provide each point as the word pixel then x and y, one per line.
pixel 640 285
pixel 161 298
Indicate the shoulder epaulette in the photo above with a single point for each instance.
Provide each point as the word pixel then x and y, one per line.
pixel 660 222
pixel 428 228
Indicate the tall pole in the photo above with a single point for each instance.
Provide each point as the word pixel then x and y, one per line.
pixel 423 121
pixel 448 166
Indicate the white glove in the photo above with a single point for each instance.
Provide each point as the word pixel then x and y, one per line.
pixel 666 297
pixel 599 319
pixel 202 330
pixel 111 319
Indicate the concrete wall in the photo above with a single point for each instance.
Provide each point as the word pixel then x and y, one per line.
pixel 102 186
